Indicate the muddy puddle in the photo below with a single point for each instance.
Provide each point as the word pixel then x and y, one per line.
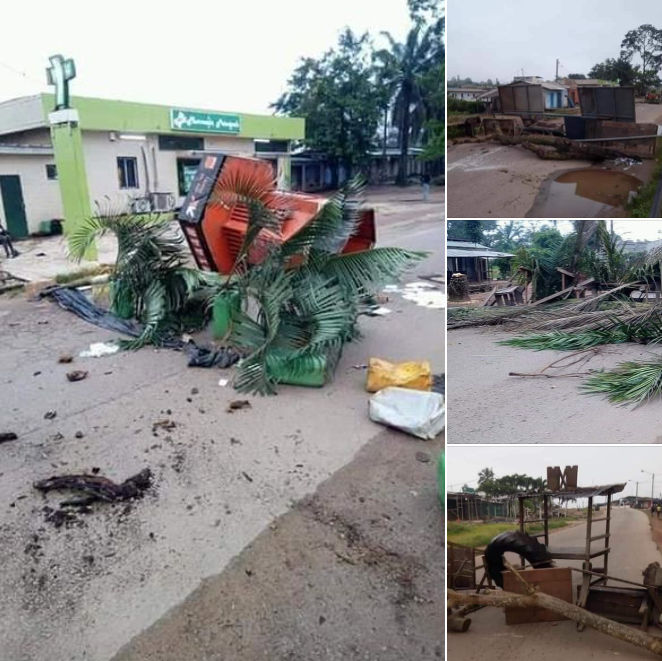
pixel 588 192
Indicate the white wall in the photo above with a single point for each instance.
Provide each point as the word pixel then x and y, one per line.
pixel 21 114
pixel 101 165
pixel 40 195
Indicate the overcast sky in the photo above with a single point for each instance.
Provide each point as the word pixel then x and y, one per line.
pixel 487 39
pixel 633 230
pixel 212 54
pixel 597 465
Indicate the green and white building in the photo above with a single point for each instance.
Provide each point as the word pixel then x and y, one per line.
pixel 61 165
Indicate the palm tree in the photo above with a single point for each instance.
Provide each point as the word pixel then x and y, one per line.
pixel 409 61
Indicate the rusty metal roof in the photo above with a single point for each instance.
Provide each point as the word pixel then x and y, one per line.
pixel 579 492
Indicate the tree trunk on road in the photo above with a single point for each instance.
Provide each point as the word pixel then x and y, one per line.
pixel 533 598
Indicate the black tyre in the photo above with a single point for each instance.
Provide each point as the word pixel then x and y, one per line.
pixel 514 542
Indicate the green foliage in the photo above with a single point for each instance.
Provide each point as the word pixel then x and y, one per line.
pixel 646 43
pixel 478 534
pixel 150 281
pixel 629 383
pixel 641 204
pixel 300 317
pixel 340 100
pixel 507 485
pixel 415 70
pixel 469 230
pixel 618 70
pixel 463 106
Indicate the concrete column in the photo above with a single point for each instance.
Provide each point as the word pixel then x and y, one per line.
pixel 284 172
pixel 72 177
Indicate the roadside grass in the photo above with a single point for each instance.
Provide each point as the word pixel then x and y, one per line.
pixel 481 534
pixel 640 206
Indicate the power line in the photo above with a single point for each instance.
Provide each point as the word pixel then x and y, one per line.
pixel 22 74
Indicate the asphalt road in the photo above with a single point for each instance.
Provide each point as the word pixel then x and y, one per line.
pixel 487 406
pixel 490 638
pixel 222 478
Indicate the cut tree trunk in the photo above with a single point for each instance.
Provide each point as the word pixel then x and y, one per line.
pixel 503 599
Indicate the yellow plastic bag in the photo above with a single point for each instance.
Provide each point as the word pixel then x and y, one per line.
pixel 412 375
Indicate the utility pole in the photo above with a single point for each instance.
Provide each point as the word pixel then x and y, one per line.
pixel 557 69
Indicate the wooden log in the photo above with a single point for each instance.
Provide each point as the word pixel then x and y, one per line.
pixel 458 623
pixel 533 598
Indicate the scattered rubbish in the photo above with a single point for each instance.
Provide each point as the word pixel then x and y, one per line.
pixel 79 434
pixel 362 366
pixel 49 415
pixel 99 349
pixel 65 358
pixel 247 476
pixel 223 382
pixel 424 294
pixel 439 383
pixel 418 413
pixel 166 424
pixel 37 373
pixel 75 301
pixel 77 375
pixel 423 457
pixel 40 254
pixel 237 404
pixel 206 357
pixel 234 441
pixel 96 487
pixel 378 312
pixel 7 436
pixel 413 375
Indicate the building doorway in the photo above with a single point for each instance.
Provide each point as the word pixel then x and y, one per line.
pixel 12 201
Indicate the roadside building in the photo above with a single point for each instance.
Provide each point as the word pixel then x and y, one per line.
pixel 465 93
pixel 573 86
pixel 119 155
pixel 531 95
pixel 471 259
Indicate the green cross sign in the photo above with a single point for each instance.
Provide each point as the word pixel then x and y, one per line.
pixel 59 74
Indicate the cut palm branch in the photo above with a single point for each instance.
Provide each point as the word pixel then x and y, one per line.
pixel 298 313
pixel 629 383
pixel 151 281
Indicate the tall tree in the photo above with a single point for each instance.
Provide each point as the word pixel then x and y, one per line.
pixel 620 71
pixel 646 42
pixel 338 97
pixel 411 60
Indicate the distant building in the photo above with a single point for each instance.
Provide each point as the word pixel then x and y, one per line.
pixel 465 93
pixel 119 154
pixel 472 259
pixel 531 95
pixel 573 85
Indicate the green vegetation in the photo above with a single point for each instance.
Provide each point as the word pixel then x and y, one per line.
pixel 296 307
pixel 480 534
pixel 641 205
pixel 348 95
pixel 629 383
pixel 644 42
pixel 464 107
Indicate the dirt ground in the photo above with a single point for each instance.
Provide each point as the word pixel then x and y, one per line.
pixel 487 406
pixel 511 179
pixel 490 638
pixel 486 180
pixel 352 572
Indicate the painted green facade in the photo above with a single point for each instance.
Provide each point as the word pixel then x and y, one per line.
pixel 68 148
pixel 107 115
pixel 128 117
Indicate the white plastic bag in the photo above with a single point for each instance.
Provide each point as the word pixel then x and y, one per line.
pixel 416 412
